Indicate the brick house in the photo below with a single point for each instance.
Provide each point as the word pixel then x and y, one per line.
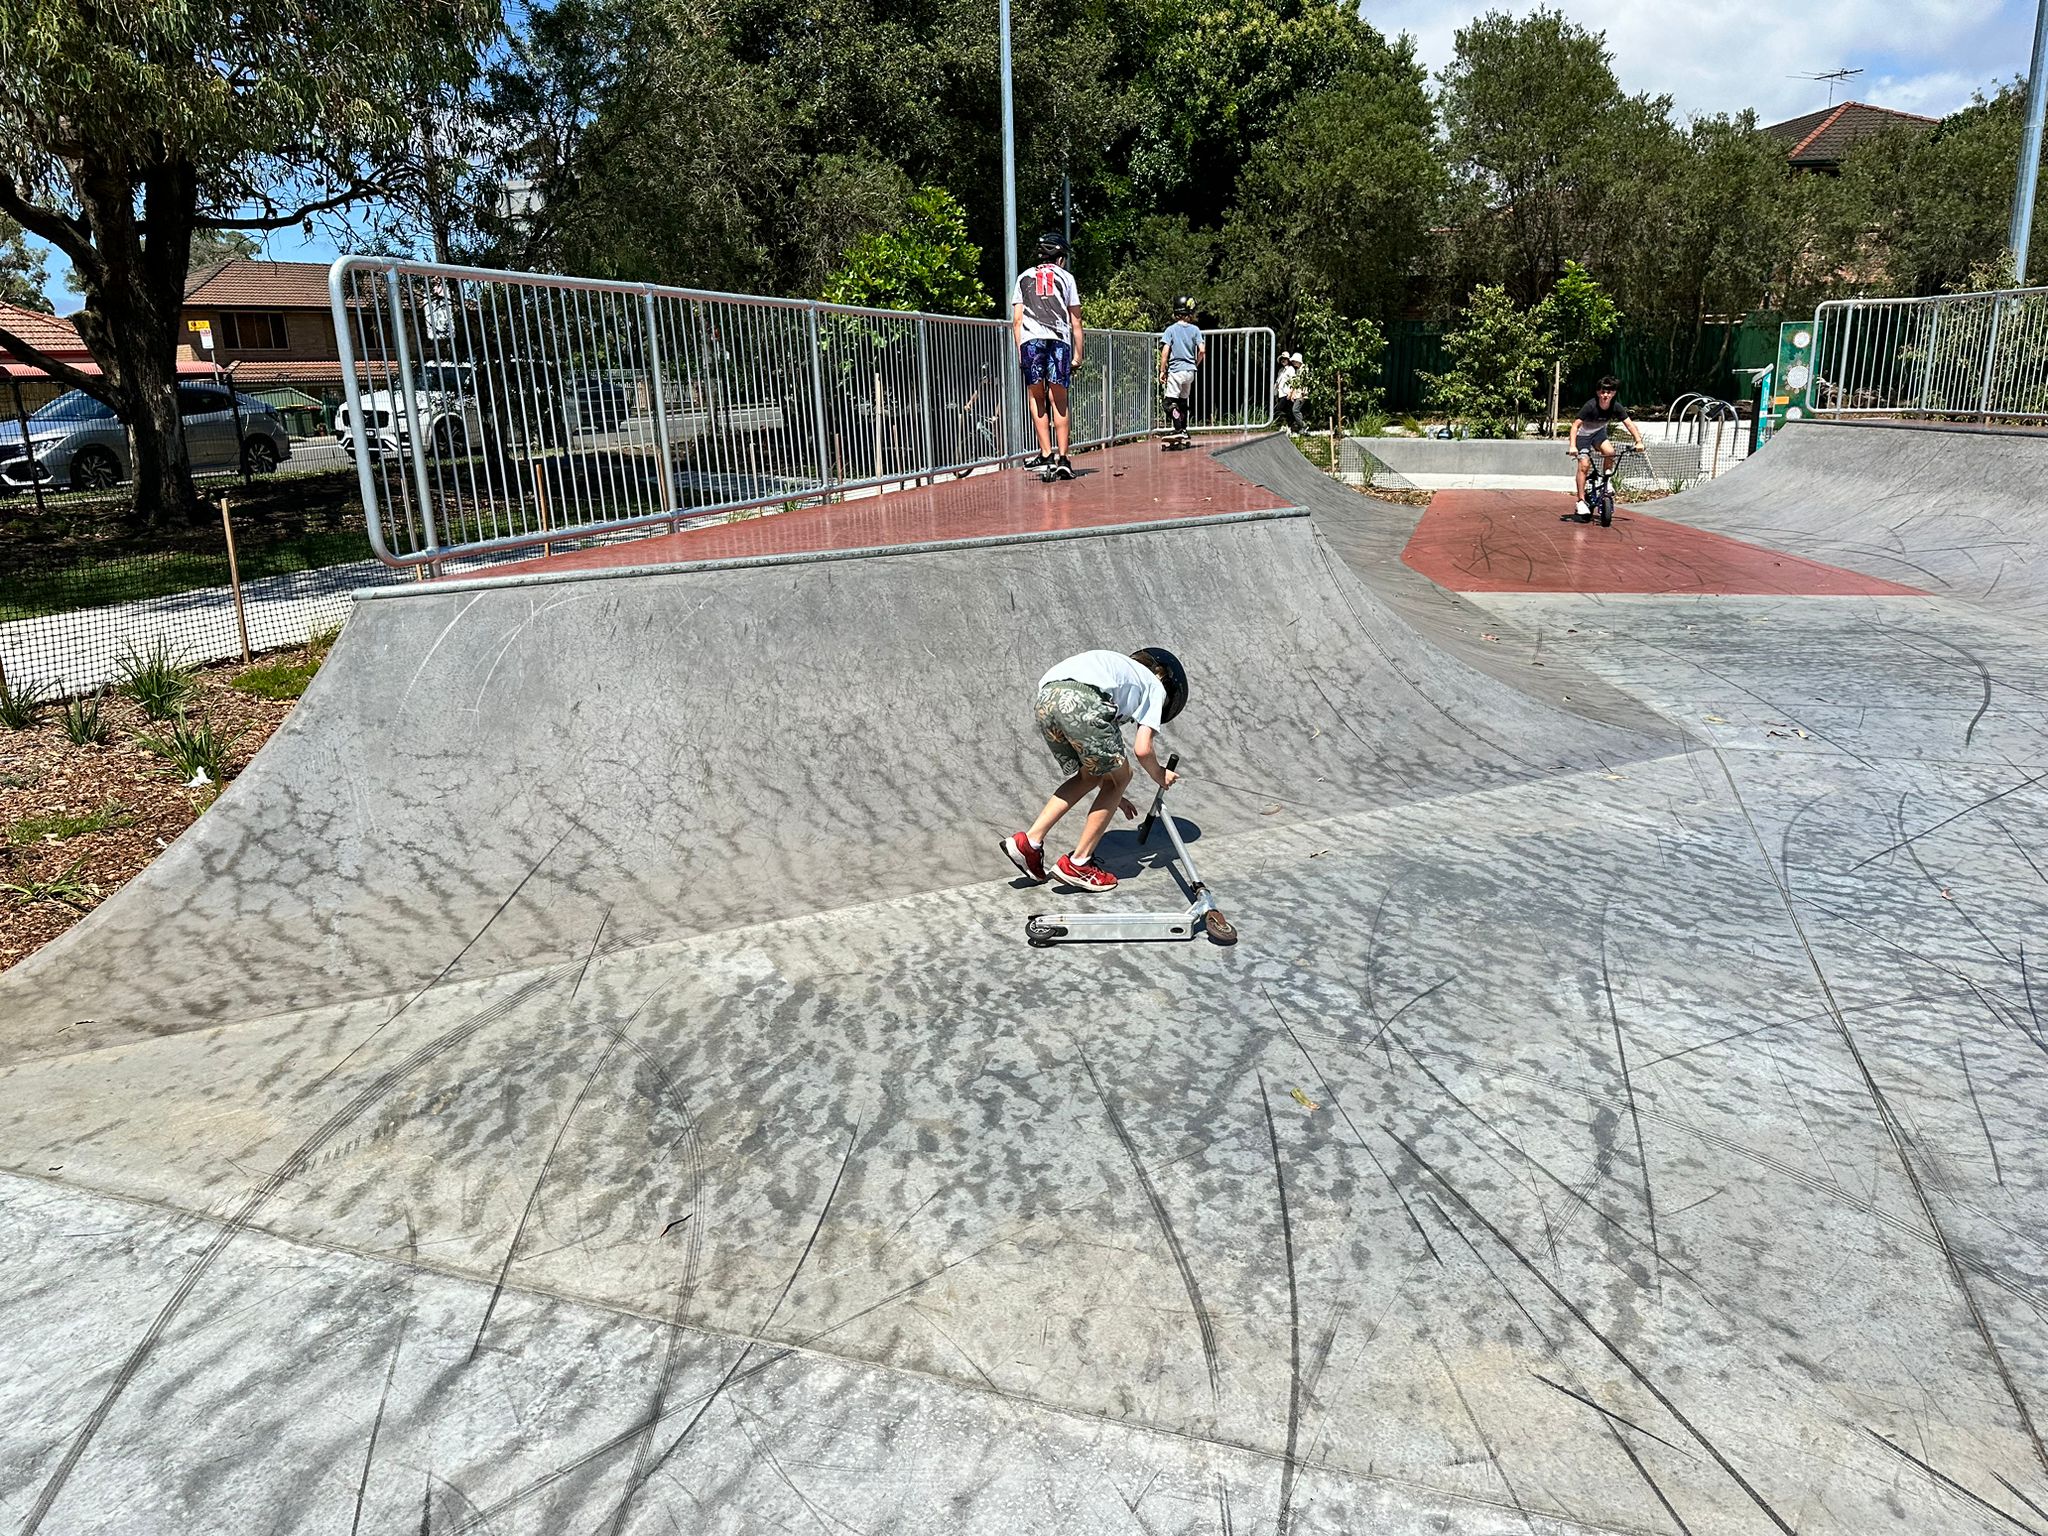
pixel 270 321
pixel 1819 142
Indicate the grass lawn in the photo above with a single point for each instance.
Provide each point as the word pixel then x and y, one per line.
pixel 83 553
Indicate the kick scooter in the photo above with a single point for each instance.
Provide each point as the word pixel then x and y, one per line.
pixel 1044 929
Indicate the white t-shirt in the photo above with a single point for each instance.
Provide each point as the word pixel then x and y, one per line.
pixel 1047 291
pixel 1135 692
pixel 1284 381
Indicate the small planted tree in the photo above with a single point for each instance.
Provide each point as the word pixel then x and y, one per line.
pixel 1341 364
pixel 1500 355
pixel 1576 316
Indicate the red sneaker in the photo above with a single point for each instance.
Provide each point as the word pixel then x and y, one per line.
pixel 1090 877
pixel 1028 859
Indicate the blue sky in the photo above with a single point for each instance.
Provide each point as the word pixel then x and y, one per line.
pixel 1709 55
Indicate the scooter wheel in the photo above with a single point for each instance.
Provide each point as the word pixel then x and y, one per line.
pixel 1039 933
pixel 1220 931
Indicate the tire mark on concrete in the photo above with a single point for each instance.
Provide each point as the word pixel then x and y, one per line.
pixel 767 1322
pixel 245 1214
pixel 377 1425
pixel 1629 1089
pixel 1578 1313
pixel 1289 1465
pixel 1889 1121
pixel 1203 1322
pixel 1331 1098
pixel 442 974
pixel 1951 1484
pixel 533 1197
pixel 1962 1052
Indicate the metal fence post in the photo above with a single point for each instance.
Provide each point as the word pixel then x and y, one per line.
pixel 1933 354
pixel 668 479
pixel 818 394
pixel 28 446
pixel 1991 354
pixel 1109 388
pixel 408 387
pixel 924 392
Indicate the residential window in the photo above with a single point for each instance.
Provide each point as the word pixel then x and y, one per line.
pixel 252 331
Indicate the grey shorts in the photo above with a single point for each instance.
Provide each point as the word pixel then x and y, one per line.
pixel 1079 726
pixel 1585 439
pixel 1180 385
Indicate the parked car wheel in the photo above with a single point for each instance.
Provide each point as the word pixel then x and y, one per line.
pixel 259 456
pixel 95 469
pixel 450 441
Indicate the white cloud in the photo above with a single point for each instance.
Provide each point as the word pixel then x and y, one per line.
pixel 1724 55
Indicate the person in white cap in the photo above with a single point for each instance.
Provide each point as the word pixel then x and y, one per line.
pixel 1287 391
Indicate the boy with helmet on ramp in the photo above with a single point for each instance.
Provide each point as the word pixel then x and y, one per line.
pixel 1181 352
pixel 1083 704
pixel 1045 323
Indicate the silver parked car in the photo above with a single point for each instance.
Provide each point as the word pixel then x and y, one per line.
pixel 80 444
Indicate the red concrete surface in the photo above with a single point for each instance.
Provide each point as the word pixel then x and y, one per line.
pixel 1132 483
pixel 1515 541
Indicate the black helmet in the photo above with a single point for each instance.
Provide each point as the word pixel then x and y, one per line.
pixel 1184 305
pixel 1051 247
pixel 1171 673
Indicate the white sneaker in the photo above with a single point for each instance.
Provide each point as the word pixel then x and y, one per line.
pixel 1582 511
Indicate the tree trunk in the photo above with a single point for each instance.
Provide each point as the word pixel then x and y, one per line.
pixel 131 321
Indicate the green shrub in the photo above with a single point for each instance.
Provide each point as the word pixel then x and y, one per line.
pixel 19 705
pixel 85 720
pixel 193 747
pixel 157 679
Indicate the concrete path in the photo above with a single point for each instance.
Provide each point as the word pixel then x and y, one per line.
pixel 588 1073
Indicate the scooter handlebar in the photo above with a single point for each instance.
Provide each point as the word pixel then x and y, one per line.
pixel 1158 798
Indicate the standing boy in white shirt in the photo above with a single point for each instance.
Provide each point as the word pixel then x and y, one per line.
pixel 1045 323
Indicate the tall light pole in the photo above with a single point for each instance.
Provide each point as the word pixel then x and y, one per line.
pixel 1013 416
pixel 2030 151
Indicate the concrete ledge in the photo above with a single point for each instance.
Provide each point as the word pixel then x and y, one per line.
pixel 1437 463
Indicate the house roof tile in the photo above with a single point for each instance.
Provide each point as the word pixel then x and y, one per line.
pixel 239 283
pixel 47 333
pixel 1826 137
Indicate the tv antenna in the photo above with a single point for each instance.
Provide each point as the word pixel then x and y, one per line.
pixel 1834 77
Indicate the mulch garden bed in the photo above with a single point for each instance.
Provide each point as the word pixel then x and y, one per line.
pixel 79 822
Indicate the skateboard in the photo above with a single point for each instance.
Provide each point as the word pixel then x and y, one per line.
pixel 1177 440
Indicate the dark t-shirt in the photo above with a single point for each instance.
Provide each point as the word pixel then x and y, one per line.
pixel 1591 414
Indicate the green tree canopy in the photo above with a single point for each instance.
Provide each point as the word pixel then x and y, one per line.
pixel 23 269
pixel 127 127
pixel 1919 212
pixel 926 262
pixel 1336 207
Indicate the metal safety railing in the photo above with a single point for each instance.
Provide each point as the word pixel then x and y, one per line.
pixel 493 411
pixel 1982 356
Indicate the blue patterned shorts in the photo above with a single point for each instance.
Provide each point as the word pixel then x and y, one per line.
pixel 1046 362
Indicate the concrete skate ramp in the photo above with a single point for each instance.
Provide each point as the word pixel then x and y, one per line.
pixel 1369 535
pixel 1958 511
pixel 628 1104
pixel 478 775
